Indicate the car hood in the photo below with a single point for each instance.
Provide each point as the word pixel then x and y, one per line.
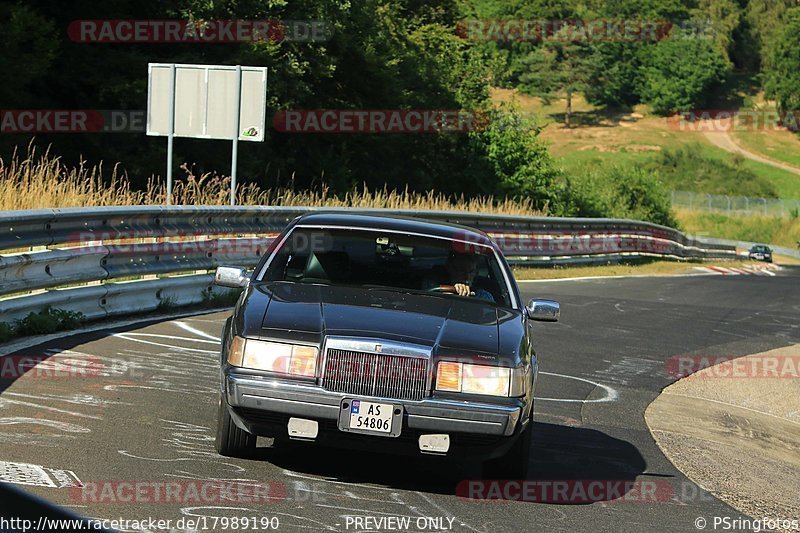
pixel 310 312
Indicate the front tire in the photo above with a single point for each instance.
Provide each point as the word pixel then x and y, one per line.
pixel 515 463
pixel 232 441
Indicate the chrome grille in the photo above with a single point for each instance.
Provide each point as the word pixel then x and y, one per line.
pixel 372 374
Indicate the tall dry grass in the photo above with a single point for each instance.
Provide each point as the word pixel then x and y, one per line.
pixel 43 181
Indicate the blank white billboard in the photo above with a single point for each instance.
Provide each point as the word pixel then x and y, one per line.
pixel 205 101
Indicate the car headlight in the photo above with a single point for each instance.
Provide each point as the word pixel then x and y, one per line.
pixel 282 358
pixel 479 379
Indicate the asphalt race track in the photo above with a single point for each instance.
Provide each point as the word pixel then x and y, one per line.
pixel 147 412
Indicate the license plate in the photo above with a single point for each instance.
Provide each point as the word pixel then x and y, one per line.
pixel 359 416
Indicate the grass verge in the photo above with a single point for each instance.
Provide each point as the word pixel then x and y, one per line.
pixel 761 229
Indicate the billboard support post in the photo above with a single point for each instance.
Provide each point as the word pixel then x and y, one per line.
pixel 235 147
pixel 206 102
pixel 171 134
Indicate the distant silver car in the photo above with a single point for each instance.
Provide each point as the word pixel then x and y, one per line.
pixel 761 252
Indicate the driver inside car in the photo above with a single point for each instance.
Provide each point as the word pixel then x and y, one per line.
pixel 460 271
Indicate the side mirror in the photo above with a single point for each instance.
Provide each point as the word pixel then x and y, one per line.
pixel 543 310
pixel 234 277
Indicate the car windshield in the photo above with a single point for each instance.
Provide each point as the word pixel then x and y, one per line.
pixel 760 249
pixel 388 260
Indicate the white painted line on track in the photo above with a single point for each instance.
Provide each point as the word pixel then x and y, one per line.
pixel 446 512
pixel 48 408
pixel 611 394
pixel 290 473
pixel 186 327
pixel 160 336
pixel 62 426
pixel 129 337
pixel 36 475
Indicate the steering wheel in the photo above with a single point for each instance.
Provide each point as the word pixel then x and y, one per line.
pixel 446 289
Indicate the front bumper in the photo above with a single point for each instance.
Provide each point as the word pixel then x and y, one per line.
pixel 261 405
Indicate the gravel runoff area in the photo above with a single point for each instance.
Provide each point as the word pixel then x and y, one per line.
pixel 735 432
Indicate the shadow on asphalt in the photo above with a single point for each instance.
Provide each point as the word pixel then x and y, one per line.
pixel 559 453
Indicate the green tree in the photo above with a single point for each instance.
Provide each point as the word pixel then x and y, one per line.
pixel 681 74
pixel 765 18
pixel 615 80
pixel 28 41
pixel 717 20
pixel 782 77
pixel 562 65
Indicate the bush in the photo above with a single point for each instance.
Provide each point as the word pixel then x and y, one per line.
pixel 688 169
pixel 620 192
pixel 48 320
pixel 221 298
pixel 6 332
pixel 521 162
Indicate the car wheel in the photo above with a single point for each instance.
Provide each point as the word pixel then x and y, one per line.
pixel 232 441
pixel 514 464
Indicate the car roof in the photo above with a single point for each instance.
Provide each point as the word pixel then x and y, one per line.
pixel 394 223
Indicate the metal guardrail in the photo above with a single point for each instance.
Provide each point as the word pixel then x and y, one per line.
pixel 52 248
